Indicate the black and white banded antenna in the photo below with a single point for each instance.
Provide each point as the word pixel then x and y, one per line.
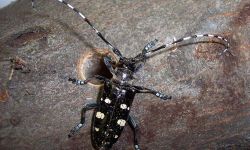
pixel 226 43
pixel 114 49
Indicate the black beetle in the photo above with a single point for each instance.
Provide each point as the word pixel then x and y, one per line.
pixel 112 110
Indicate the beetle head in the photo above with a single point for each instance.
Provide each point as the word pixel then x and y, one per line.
pixel 123 70
pixel 132 64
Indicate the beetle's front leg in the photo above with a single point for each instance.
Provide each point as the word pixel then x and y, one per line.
pixel 150 45
pixel 82 82
pixel 80 125
pixel 142 56
pixel 77 82
pixel 139 89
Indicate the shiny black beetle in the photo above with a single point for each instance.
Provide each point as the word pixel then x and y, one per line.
pixel 112 110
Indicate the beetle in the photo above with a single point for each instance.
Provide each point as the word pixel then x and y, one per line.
pixel 111 111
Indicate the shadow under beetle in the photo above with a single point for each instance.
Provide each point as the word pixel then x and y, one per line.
pixel 112 110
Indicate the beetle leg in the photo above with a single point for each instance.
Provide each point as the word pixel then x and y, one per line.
pixel 80 125
pixel 77 82
pixel 140 89
pixel 141 58
pixel 82 82
pixel 108 62
pixel 135 128
pixel 150 45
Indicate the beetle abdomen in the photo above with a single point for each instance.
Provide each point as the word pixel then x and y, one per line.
pixel 111 117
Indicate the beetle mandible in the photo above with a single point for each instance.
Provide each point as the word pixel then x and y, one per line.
pixel 111 112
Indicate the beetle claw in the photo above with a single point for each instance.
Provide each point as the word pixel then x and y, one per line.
pixel 75 130
pixel 77 82
pixel 72 80
pixel 163 96
pixel 166 97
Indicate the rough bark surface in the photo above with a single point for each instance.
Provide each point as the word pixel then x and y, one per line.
pixel 210 108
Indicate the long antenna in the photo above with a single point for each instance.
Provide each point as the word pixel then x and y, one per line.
pixel 114 49
pixel 227 44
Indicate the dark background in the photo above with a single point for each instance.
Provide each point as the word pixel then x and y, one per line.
pixel 210 108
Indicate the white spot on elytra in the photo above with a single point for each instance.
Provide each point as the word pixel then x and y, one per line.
pixel 128 108
pixel 97 129
pixel 100 115
pixel 116 136
pixel 123 106
pixel 108 101
pixel 137 146
pixel 124 76
pixel 121 122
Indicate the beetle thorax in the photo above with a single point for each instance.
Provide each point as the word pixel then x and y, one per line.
pixel 124 74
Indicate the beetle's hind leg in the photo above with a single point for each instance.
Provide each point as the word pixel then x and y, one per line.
pixel 80 125
pixel 135 128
